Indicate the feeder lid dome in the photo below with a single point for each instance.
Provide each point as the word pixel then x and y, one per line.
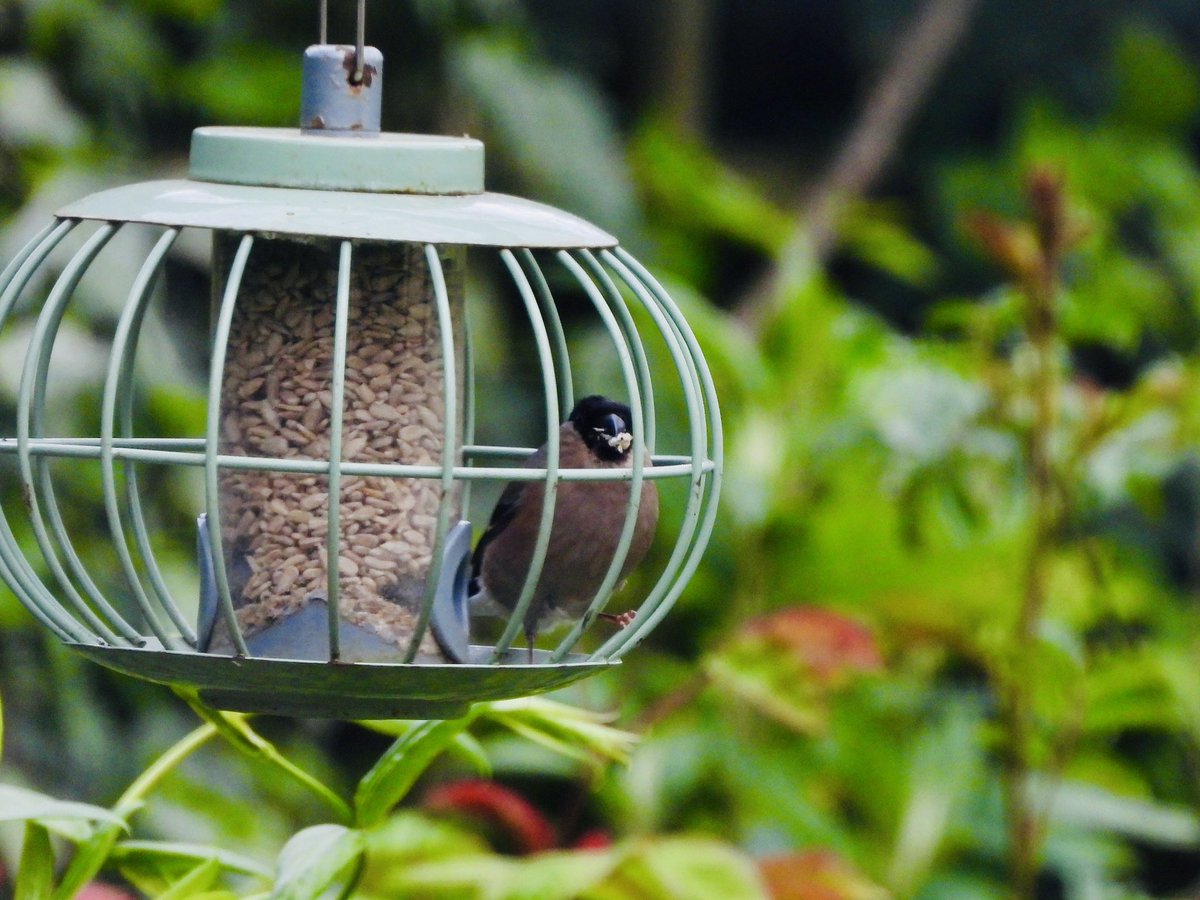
pixel 484 219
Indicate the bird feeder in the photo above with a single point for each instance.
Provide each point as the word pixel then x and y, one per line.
pixel 339 451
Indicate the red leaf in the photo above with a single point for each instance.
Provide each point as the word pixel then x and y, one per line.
pixel 98 891
pixel 527 828
pixel 830 645
pixel 594 839
pixel 815 875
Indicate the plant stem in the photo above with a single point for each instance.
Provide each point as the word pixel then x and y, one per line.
pixel 1041 290
pixel 93 853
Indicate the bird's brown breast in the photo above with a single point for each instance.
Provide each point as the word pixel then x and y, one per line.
pixel 588 519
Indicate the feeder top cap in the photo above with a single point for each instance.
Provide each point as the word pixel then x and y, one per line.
pixel 381 163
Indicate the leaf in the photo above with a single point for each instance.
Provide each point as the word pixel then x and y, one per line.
pixel 408 839
pixel 1126 690
pixel 1094 808
pixel 560 876
pixel 464 746
pixel 944 763
pixel 399 768
pixel 19 804
pixel 454 877
pixel 786 664
pixel 167 854
pixel 318 862
pixel 698 190
pixel 249 84
pixel 35 878
pixel 469 750
pixel 524 826
pixel 235 728
pixel 91 856
pixel 816 875
pixel 32 109
pixel 870 233
pixel 582 168
pixel 576 733
pixel 391 727
pixel 692 867
pixel 1157 85
pixel 195 882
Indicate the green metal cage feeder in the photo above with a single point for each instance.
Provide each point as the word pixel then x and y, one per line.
pixel 339 449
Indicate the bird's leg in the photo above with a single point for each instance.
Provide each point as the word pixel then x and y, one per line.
pixel 529 636
pixel 621 620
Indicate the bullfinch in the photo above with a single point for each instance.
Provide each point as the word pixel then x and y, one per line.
pixel 588 518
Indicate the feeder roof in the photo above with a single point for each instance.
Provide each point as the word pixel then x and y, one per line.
pixel 484 219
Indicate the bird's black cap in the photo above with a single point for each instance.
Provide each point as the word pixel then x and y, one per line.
pixel 601 422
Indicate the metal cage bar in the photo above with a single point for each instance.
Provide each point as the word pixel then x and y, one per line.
pixel 337 411
pixel 558 337
pixel 449 446
pixel 468 405
pixel 133 497
pixel 19 574
pixel 156 450
pixel 638 453
pixel 629 327
pixel 622 642
pixel 119 376
pixel 689 380
pixel 212 488
pixel 35 473
pixel 551 475
pixel 665 465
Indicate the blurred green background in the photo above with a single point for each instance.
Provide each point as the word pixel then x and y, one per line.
pixel 944 258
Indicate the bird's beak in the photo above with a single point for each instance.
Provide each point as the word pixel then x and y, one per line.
pixel 619 437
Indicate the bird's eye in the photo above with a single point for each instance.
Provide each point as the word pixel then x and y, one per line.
pixel 597 429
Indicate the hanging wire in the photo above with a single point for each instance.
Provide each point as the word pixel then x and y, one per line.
pixel 360 46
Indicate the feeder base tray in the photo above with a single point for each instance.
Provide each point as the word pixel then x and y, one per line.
pixel 324 690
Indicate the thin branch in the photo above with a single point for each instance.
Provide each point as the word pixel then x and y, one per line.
pixel 919 56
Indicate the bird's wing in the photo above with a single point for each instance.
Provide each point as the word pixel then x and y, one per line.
pixel 502 515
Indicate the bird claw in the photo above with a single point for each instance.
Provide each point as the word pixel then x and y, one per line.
pixel 621 620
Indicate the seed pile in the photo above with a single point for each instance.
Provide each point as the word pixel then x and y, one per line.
pixel 276 400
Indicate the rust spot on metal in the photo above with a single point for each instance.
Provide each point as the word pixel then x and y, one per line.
pixel 368 73
pixel 27 497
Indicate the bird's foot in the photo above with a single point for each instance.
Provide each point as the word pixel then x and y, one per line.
pixel 621 620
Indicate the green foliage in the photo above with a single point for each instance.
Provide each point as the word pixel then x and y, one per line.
pixel 18 805
pixel 237 731
pixel 36 878
pixel 398 769
pixel 319 862
pixel 663 867
pixel 936 644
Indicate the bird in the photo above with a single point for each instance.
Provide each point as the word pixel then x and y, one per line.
pixel 588 519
